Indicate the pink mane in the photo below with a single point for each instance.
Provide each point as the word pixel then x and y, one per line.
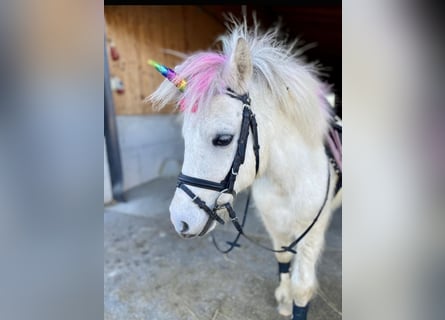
pixel 203 73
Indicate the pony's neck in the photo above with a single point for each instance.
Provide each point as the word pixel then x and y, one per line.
pixel 286 154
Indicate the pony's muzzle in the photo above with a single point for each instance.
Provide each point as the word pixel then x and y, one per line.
pixel 187 219
pixel 185 227
pixel 185 231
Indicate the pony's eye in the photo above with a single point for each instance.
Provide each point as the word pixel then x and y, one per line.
pixel 222 140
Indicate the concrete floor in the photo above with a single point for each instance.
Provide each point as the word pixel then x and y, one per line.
pixel 150 273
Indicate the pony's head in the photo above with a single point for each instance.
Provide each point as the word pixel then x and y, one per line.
pixel 211 129
pixel 251 63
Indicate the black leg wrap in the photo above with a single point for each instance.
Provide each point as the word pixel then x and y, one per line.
pixel 299 313
pixel 283 267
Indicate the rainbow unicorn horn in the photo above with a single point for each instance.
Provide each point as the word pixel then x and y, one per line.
pixel 169 74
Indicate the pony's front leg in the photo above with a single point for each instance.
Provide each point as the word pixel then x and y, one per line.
pixel 283 292
pixel 303 279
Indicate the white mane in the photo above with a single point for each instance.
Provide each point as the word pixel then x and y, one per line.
pixel 291 82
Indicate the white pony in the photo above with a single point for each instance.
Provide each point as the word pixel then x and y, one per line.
pixel 293 119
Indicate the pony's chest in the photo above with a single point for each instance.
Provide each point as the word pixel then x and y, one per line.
pixel 278 202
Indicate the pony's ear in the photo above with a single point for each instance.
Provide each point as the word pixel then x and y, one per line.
pixel 239 69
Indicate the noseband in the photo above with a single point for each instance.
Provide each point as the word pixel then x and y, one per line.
pixel 227 184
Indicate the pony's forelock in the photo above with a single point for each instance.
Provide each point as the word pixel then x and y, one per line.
pixel 203 74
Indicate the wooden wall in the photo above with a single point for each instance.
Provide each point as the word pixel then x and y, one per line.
pixel 140 33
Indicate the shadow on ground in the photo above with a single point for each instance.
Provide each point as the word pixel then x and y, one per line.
pixel 150 273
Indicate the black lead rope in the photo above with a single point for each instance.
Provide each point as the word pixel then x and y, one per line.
pixel 234 243
pixel 239 227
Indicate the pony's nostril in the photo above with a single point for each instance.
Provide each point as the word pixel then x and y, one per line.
pixel 185 227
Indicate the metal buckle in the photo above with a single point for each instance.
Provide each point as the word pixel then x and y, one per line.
pixel 222 206
pixel 218 206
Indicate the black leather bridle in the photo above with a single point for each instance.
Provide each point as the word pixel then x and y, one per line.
pixel 227 184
